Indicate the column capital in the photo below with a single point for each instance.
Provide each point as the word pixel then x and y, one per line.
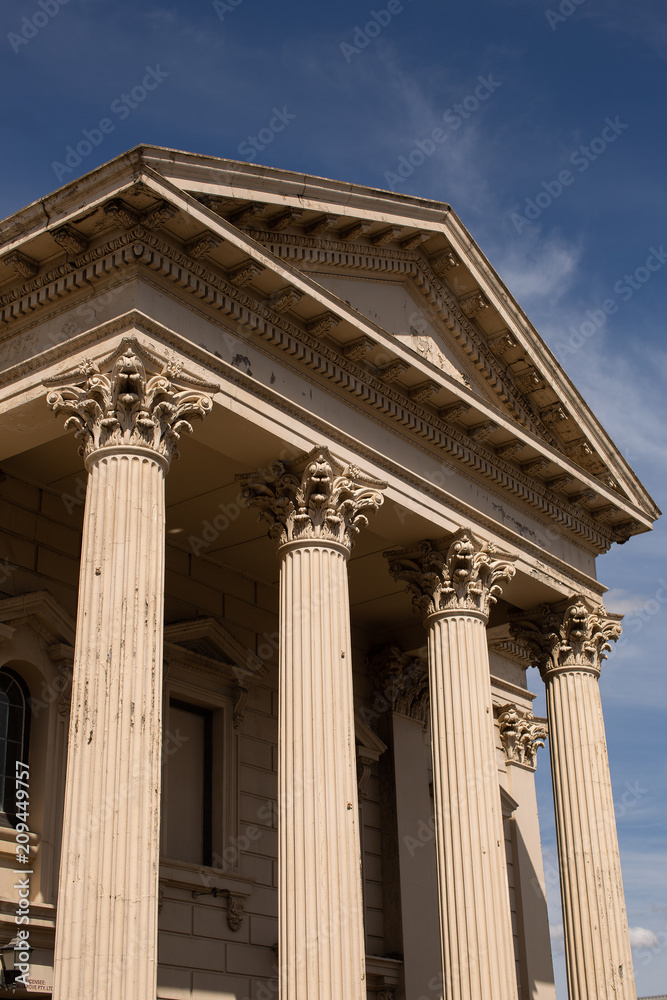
pixel 571 635
pixel 456 574
pixel 131 399
pixel 521 734
pixel 402 681
pixel 314 498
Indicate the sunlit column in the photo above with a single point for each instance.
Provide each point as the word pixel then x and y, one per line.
pixel 568 642
pixel 453 583
pixel 128 420
pixel 315 508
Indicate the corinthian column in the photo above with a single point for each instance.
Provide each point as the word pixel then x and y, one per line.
pixel 315 508
pixel 453 584
pixel 128 415
pixel 568 642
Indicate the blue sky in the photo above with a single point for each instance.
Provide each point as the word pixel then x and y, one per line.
pixel 574 86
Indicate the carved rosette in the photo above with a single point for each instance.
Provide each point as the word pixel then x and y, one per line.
pixel 132 400
pixel 315 498
pixel 572 635
pixel 401 682
pixel 521 734
pixel 457 574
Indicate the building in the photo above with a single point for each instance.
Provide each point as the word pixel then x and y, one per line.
pixel 432 494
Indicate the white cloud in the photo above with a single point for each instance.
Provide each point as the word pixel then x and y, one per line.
pixel 537 268
pixel 642 937
pixel 623 602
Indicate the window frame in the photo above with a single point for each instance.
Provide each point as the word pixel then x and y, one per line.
pixel 11 818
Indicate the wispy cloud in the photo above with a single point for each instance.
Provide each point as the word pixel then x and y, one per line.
pixel 642 937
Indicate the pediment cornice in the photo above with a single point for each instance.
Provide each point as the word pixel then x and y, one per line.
pixel 247 310
pixel 368 384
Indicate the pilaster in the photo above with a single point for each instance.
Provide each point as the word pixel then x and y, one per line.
pixel 411 907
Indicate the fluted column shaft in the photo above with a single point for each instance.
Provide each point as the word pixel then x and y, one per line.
pixel 454 582
pixel 569 642
pixel 475 919
pixel 597 946
pixel 106 937
pixel 128 412
pixel 321 931
pixel 315 507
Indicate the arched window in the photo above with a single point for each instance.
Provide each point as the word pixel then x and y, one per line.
pixel 14 734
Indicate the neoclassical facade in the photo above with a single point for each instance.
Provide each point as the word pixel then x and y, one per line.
pixel 267 697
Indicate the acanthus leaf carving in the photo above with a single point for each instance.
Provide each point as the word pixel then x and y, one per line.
pixel 23 265
pixel 129 399
pixel 322 324
pixel 458 574
pixel 160 213
pixel 71 240
pixel 385 236
pixel 121 213
pixel 316 497
pixel 245 273
pixel 356 350
pixel 444 262
pixel 570 635
pixel 510 450
pixel 284 299
pixel 480 432
pixel 473 303
pixel 521 734
pixel 202 244
pixel 402 683
pixel 454 411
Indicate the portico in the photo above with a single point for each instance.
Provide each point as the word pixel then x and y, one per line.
pixel 381 457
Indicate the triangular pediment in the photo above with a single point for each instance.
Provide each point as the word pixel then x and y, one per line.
pixel 212 642
pixel 44 615
pixel 332 266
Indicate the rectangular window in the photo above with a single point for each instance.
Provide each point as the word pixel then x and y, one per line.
pixel 189 783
